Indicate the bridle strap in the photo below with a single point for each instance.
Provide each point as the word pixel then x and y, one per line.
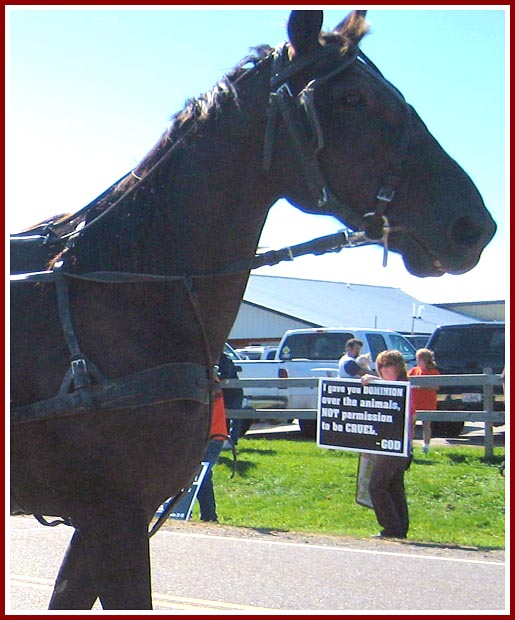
pixel 282 103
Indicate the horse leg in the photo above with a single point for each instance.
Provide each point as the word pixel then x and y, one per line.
pixel 74 587
pixel 117 549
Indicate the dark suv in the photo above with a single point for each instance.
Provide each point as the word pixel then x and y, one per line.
pixel 466 349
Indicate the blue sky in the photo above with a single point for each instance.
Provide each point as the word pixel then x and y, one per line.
pixel 89 91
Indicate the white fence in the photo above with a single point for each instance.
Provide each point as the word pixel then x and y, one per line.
pixel 487 415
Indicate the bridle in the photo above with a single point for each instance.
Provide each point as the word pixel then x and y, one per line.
pixel 299 114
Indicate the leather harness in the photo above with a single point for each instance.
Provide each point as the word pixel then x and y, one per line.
pixel 90 390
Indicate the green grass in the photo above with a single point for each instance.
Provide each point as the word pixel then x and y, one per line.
pixel 454 496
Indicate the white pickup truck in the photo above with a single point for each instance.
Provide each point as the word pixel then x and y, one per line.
pixel 313 353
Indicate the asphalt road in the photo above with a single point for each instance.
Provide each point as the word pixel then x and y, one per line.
pixel 209 568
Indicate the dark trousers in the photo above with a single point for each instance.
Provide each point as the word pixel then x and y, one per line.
pixel 206 493
pixel 386 488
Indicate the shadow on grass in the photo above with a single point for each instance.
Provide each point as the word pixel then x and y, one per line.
pixel 289 435
pixel 424 461
pixel 456 457
pixel 241 467
pixel 454 547
pixel 261 451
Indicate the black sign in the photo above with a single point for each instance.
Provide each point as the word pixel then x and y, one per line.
pixel 369 418
pixel 182 511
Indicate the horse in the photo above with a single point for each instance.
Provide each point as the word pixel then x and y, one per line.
pixel 118 321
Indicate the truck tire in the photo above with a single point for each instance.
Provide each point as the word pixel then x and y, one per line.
pixel 308 428
pixel 447 429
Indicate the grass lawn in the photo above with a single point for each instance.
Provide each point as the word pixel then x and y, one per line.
pixel 454 496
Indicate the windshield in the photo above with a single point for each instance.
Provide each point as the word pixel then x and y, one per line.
pixel 406 348
pixel 315 346
pixel 331 346
pixel 470 344
pixel 231 353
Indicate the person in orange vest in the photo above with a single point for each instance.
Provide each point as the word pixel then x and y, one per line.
pixel 424 398
pixel 218 434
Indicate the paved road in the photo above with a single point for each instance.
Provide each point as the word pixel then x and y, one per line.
pixel 204 568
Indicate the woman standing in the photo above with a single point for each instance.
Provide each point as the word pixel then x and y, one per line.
pixel 424 398
pixel 386 485
pixel 218 434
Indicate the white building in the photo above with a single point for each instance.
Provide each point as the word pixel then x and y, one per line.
pixel 273 304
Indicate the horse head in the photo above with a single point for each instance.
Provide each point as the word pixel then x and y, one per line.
pixel 363 155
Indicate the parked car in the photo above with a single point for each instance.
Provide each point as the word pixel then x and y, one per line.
pixel 313 352
pixel 467 349
pixel 235 357
pixel 419 341
pixel 232 353
pixel 257 352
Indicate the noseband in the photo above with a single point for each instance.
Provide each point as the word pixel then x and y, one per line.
pixel 299 114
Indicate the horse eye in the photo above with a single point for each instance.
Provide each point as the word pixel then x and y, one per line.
pixel 346 97
pixel 352 100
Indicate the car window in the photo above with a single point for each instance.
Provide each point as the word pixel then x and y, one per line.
pixel 251 355
pixel 406 348
pixel 231 353
pixel 317 346
pixel 377 344
pixel 469 343
pixel 419 342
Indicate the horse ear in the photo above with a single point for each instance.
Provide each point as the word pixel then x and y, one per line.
pixel 354 27
pixel 303 30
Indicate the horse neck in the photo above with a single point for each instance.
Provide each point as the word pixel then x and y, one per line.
pixel 201 208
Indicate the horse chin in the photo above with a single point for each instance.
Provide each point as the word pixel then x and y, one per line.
pixel 423 264
pixel 423 267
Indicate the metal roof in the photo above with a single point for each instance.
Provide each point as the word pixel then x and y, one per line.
pixel 331 304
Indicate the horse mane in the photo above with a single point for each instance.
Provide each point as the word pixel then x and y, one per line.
pixel 199 110
pixel 183 127
pixel 143 185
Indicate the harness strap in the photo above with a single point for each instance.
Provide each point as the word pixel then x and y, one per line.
pixel 43 521
pixel 328 243
pixel 79 369
pixel 163 384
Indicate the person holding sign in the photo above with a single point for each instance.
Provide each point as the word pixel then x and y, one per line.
pixel 386 485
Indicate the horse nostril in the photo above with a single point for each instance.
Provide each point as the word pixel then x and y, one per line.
pixel 464 232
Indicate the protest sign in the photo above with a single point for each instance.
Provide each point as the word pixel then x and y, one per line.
pixel 369 418
pixel 182 511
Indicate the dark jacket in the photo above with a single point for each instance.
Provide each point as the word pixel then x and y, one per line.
pixel 233 397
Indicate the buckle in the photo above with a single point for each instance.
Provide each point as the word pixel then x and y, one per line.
pixel 386 194
pixel 80 373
